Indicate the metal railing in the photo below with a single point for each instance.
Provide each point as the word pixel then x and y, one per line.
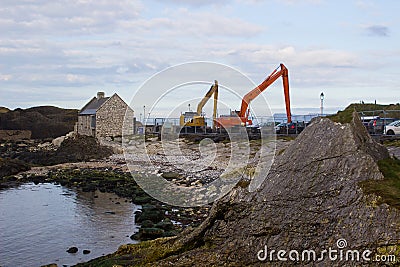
pixel 372 114
pixel 379 118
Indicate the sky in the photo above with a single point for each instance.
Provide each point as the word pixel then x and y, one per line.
pixel 59 52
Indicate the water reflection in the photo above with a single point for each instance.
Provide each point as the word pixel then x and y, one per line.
pixel 38 223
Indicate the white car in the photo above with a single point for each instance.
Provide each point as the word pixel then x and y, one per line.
pixel 393 128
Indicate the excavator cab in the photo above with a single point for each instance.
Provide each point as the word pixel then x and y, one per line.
pixel 194 122
pixel 191 119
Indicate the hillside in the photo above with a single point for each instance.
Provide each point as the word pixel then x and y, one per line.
pixel 43 121
pixel 4 110
pixel 369 109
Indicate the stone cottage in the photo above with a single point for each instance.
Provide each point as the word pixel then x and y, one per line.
pixel 104 117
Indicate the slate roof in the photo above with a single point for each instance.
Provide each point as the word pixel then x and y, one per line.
pixel 93 105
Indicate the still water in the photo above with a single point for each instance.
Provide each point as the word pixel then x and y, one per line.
pixel 38 223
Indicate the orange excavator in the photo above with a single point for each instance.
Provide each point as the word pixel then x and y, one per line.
pixel 237 118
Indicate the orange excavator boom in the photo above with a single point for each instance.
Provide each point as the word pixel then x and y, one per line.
pixel 281 71
pixel 242 117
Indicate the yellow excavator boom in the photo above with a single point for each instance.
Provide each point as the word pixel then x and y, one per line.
pixel 203 102
pixel 196 119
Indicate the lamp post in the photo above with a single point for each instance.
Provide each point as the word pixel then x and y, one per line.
pixel 144 114
pixel 321 96
pixel 140 117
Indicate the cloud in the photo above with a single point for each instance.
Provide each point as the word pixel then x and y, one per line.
pixel 65 17
pixel 316 57
pixel 309 67
pixel 285 2
pixel 378 30
pixel 85 42
pixel 84 45
pixel 365 4
pixel 292 2
pixel 189 24
pixel 195 2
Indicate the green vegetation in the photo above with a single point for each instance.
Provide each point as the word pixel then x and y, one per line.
pixel 280 152
pixel 285 137
pixel 345 116
pixel 4 110
pixel 145 252
pixel 387 189
pixel 392 143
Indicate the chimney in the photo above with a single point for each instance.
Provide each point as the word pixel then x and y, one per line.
pixel 100 95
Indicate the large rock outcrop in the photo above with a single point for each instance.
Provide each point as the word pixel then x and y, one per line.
pixel 310 199
pixel 12 166
pixel 72 149
pixel 43 122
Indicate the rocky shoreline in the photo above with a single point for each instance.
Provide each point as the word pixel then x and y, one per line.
pixel 156 219
pixel 111 174
pixel 312 198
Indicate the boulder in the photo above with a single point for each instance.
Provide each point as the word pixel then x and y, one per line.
pixel 12 166
pixel 147 224
pixel 170 175
pixel 165 224
pixel 72 250
pixel 71 134
pixel 147 234
pixel 149 213
pixel 57 141
pixel 73 149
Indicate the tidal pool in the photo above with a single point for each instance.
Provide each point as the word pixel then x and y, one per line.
pixel 38 223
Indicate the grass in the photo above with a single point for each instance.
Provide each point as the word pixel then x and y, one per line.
pixel 280 152
pixel 141 254
pixel 387 189
pixel 395 143
pixel 285 137
pixel 4 110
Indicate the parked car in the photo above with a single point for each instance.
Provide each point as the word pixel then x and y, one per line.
pixel 290 128
pixel 377 126
pixel 366 119
pixel 393 128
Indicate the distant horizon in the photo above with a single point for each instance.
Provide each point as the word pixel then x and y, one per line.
pixel 296 111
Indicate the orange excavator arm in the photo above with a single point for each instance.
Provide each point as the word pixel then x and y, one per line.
pixel 282 72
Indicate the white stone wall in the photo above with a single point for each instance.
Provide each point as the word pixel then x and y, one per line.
pixel 83 126
pixel 110 118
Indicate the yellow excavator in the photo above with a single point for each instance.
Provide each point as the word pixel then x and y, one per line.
pixel 192 121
